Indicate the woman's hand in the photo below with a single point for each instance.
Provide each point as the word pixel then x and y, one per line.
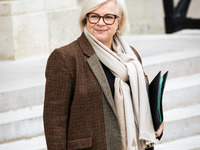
pixel 160 129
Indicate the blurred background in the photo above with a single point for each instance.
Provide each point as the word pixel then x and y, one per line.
pixel 31 29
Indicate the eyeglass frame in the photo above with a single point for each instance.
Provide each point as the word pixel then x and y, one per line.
pixel 115 17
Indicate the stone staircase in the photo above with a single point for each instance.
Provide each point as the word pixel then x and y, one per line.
pixel 180 55
pixel 22 92
pixel 21 104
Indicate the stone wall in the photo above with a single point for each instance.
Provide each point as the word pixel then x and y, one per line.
pixel 147 16
pixel 143 17
pixel 32 28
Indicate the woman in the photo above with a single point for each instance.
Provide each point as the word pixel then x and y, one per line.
pixel 96 95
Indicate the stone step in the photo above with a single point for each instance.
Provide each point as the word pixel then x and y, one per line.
pixel 22 83
pixel 181 123
pixel 181 92
pixel 154 44
pixel 17 99
pixel 22 87
pixel 22 123
pixel 17 124
pixel 36 143
pixel 189 143
pixel 28 123
pixel 178 63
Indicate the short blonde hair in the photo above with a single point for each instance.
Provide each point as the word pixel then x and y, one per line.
pixel 90 5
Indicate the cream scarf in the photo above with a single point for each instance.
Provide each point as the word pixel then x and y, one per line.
pixel 132 102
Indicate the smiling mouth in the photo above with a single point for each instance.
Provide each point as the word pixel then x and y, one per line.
pixel 100 31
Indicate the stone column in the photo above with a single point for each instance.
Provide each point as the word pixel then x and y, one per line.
pixel 63 22
pixel 145 17
pixel 31 28
pixel 23 29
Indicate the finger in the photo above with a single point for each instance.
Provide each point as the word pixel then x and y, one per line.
pixel 158 133
pixel 160 129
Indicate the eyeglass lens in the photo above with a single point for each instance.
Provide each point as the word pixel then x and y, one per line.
pixel 108 18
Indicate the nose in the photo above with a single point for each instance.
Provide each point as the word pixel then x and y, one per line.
pixel 101 22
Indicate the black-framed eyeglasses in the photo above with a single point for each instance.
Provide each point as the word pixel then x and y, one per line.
pixel 108 19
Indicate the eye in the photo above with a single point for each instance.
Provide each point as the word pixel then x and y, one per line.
pixel 109 17
pixel 94 16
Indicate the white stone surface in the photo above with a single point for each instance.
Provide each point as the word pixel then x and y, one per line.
pixel 189 143
pixel 168 52
pixel 138 14
pixel 183 82
pixel 180 63
pixel 194 11
pixel 145 16
pixel 171 57
pixel 6 39
pixel 5 8
pixel 181 92
pixel 148 45
pixel 16 99
pixel 181 122
pixel 54 4
pixel 22 74
pixel 22 83
pixel 30 33
pixel 21 114
pixel 156 17
pixel 10 8
pixel 182 113
pixel 22 123
pixel 63 27
pixel 25 36
pixel 28 26
pixel 36 143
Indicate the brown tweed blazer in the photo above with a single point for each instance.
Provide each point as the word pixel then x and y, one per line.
pixel 79 111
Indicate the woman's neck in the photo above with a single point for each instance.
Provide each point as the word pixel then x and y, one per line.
pixel 108 44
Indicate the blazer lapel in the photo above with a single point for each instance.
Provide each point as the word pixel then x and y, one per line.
pixel 95 65
pixel 98 71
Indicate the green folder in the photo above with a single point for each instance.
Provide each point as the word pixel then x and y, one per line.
pixel 156 89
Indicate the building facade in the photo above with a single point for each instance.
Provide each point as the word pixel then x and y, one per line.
pixel 32 28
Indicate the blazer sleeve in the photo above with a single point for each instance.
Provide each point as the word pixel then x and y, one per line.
pixel 58 97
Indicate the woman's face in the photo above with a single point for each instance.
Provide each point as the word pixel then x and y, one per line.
pixel 100 30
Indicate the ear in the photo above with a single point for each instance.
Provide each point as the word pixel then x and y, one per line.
pixel 120 19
